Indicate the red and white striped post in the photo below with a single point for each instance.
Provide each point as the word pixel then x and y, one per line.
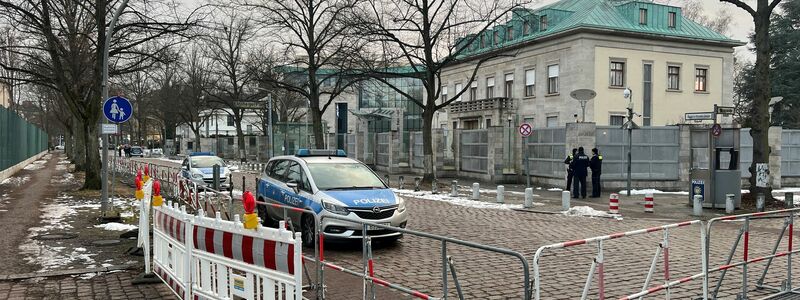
pixel 613 204
pixel 648 203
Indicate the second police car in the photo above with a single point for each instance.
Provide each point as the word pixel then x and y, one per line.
pixel 199 168
pixel 328 183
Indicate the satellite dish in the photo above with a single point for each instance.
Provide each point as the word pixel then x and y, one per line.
pixel 583 94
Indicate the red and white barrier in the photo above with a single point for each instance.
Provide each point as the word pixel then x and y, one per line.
pixel 613 204
pixel 648 203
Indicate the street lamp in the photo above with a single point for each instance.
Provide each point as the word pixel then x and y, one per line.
pixel 628 95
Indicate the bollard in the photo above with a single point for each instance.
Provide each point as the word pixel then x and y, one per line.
pixel 729 203
pixel 402 180
pixel 760 203
pixel 648 203
pixel 434 187
pixel 244 186
pixel 613 204
pixel 386 178
pixel 501 190
pixel 697 207
pixel 476 191
pixel 528 197
pixel 454 188
pixel 417 181
pixel 564 200
pixel 788 200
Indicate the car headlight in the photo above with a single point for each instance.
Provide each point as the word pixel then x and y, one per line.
pixel 339 210
pixel 401 204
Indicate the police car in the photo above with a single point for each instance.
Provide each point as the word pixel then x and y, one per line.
pixel 328 183
pixel 199 168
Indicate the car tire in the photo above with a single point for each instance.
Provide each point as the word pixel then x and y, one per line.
pixel 266 220
pixel 307 230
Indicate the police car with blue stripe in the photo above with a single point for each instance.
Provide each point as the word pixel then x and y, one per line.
pixel 199 168
pixel 328 183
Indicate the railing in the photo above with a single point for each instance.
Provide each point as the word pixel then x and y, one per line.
pixel 483 104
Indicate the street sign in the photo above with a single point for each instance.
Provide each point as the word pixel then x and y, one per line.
pixel 725 110
pixel 249 104
pixel 716 130
pixel 108 129
pixel 117 109
pixel 583 94
pixel 525 129
pixel 699 116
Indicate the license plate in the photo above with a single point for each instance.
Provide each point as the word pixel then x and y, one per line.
pixel 371 228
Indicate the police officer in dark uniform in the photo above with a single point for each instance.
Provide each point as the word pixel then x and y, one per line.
pixel 568 161
pixel 596 164
pixel 580 171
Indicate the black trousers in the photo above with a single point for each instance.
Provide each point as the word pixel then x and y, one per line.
pixel 595 185
pixel 569 181
pixel 579 186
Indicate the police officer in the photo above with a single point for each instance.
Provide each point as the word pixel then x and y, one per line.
pixel 568 161
pixel 579 167
pixel 596 164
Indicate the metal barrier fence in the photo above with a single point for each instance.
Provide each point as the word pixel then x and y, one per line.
pixel 598 263
pixel 383 148
pixel 474 150
pixel 546 152
pixel 655 152
pixel 790 152
pixel 19 139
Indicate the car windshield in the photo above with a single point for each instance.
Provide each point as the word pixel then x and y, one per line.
pixel 136 150
pixel 206 161
pixel 333 176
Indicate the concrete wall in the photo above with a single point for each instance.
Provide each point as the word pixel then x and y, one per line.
pixel 4 174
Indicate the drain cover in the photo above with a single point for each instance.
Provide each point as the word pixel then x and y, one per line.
pixel 56 236
pixel 106 242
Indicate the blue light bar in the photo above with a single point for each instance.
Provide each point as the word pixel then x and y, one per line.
pixel 320 152
pixel 201 154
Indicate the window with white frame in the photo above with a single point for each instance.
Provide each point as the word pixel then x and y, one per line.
pixel 552 121
pixel 617 76
pixel 489 87
pixel 700 79
pixel 673 78
pixel 444 94
pixel 616 120
pixel 509 86
pixel 552 79
pixel 457 91
pixel 543 23
pixel 530 83
pixel 672 19
pixel 473 91
pixel 642 16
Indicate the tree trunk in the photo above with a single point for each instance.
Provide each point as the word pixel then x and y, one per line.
pixel 761 118
pixel 68 144
pixel 93 176
pixel 240 140
pixel 79 145
pixel 316 124
pixel 427 143
pixel 197 139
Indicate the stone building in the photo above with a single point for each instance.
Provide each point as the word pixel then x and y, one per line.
pixel 671 64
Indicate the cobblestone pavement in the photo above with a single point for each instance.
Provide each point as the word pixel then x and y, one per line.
pixel 416 262
pixel 110 286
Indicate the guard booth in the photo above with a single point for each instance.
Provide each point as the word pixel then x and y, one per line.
pixel 715 169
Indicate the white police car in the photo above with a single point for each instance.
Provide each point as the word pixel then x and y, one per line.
pixel 328 183
pixel 199 168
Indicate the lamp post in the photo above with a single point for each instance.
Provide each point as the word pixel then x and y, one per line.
pixel 628 95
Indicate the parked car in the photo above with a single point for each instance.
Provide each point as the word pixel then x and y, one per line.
pixel 157 151
pixel 137 151
pixel 329 183
pixel 59 147
pixel 199 168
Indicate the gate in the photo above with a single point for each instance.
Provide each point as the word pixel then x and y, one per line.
pixel 384 139
pixel 654 156
pixel 546 152
pixel 474 150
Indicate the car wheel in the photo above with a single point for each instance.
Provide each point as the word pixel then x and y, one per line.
pixel 308 230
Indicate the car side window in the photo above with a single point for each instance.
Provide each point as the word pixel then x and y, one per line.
pixel 185 163
pixel 279 169
pixel 306 184
pixel 295 174
pixel 269 167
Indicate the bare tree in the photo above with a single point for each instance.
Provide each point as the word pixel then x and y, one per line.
pixel 428 37
pixel 193 101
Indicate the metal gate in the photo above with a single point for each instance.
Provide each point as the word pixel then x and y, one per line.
pixel 474 150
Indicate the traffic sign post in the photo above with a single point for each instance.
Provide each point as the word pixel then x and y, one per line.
pixel 116 110
pixel 525 130
pixel 716 130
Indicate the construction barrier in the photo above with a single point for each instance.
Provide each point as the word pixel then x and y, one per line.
pixel 598 263
pixel 648 203
pixel 613 204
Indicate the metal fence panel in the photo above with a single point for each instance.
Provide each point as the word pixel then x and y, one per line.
pixel 383 148
pixel 418 157
pixel 745 152
pixel 475 150
pixel 654 156
pixel 19 140
pixel 546 152
pixel 790 152
pixel 351 145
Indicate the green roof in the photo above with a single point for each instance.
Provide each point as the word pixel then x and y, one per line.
pixel 618 16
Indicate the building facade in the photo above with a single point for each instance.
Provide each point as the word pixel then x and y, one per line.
pixel 671 64
pixel 5 94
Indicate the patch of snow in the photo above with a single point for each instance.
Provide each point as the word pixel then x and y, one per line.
pixel 177 161
pixel 64 162
pixel 653 191
pixel 16 181
pixel 585 211
pixel 113 226
pixel 36 165
pixel 63 179
pixel 61 167
pixel 126 214
pixel 86 276
pixel 52 258
pixel 554 190
pixel 445 197
pixel 787 190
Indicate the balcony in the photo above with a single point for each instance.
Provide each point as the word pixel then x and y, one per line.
pixel 497 103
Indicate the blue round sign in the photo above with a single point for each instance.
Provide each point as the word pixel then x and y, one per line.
pixel 117 109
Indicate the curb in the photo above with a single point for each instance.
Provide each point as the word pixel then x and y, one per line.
pixel 66 272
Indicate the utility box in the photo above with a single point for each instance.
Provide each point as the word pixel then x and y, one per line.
pixel 715 169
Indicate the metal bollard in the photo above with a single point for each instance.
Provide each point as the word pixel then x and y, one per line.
pixel 729 207
pixel 476 191
pixel 244 186
pixel 648 203
pixel 788 200
pixel 434 187
pixel 454 188
pixel 402 180
pixel 613 203
pixel 528 197
pixel 417 181
pixel 501 190
pixel 697 207
pixel 565 198
pixel 760 203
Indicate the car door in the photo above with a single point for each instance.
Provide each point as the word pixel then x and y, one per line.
pixel 273 186
pixel 301 199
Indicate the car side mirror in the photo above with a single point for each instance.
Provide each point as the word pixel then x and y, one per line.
pixel 184 167
pixel 293 185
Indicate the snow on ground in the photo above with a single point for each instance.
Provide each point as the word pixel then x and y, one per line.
pixel 16 180
pixel 554 190
pixel 468 188
pixel 585 211
pixel 64 162
pixel 63 179
pixel 177 161
pixel 652 191
pixel 117 226
pixel 36 165
pixel 61 167
pixel 458 200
